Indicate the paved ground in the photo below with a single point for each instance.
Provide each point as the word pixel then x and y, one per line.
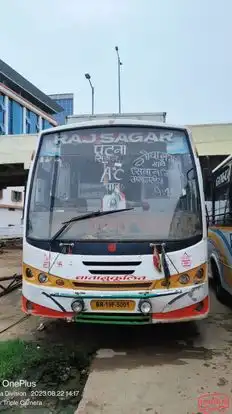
pixel 10 305
pixel 138 370
pixel 162 369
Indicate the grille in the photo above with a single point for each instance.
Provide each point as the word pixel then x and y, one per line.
pixel 105 268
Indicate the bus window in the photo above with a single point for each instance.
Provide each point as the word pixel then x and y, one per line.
pixel 221 196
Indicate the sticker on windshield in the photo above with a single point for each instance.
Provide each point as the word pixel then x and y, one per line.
pixel 186 260
pixel 178 146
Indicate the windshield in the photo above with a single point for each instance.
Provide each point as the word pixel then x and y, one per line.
pixel 106 168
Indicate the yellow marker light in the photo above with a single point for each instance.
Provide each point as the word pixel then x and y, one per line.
pixel 60 282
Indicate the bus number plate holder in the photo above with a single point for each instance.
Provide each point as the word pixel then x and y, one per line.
pixel 112 305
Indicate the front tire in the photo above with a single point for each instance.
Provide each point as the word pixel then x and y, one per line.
pixel 220 292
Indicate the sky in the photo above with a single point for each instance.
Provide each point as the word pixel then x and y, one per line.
pixel 176 54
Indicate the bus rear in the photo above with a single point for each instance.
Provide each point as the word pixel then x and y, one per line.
pixel 114 225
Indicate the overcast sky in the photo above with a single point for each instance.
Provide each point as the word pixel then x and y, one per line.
pixel 176 54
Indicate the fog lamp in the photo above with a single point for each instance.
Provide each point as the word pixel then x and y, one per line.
pixel 77 306
pixel 29 306
pixel 145 307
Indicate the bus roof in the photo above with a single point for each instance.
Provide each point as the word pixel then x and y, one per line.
pixel 222 163
pixel 111 122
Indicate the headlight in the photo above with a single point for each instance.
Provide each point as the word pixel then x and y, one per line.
pixel 29 273
pixel 199 276
pixel 77 306
pixel 200 273
pixel 184 279
pixel 42 278
pixel 145 307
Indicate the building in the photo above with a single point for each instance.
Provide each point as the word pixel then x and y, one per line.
pixel 66 101
pixel 11 209
pixel 214 144
pixel 24 109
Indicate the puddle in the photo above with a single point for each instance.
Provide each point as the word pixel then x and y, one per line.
pixel 152 356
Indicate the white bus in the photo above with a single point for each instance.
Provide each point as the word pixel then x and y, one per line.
pixel 115 228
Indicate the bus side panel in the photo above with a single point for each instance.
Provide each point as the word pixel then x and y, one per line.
pixel 220 247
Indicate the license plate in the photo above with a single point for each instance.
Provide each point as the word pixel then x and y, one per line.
pixel 115 305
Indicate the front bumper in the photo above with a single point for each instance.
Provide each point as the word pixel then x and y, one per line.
pixel 168 305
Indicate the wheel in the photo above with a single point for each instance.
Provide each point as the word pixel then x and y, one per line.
pixel 220 292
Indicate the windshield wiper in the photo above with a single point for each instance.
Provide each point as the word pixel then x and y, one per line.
pixel 86 216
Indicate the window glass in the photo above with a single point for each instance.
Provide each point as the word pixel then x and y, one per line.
pixel 32 122
pixel 2 113
pixel 149 169
pixel 46 124
pixel 222 195
pixel 15 117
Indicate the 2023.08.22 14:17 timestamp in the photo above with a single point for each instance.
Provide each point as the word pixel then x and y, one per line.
pixel 54 393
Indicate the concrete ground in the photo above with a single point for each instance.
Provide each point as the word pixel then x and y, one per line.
pixel 137 370
pixel 163 369
pixel 10 305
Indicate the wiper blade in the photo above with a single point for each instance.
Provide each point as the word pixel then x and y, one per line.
pixel 84 217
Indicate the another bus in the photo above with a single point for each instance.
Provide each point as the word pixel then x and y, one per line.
pixel 219 206
pixel 115 227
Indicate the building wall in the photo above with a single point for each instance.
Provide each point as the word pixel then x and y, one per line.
pixel 66 101
pixel 11 207
pixel 10 199
pixel 19 116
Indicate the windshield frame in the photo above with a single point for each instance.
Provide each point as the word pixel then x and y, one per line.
pixel 148 125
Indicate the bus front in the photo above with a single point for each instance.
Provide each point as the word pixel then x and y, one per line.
pixel 114 229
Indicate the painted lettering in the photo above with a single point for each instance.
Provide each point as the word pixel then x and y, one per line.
pixel 114 138
pixel 106 278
